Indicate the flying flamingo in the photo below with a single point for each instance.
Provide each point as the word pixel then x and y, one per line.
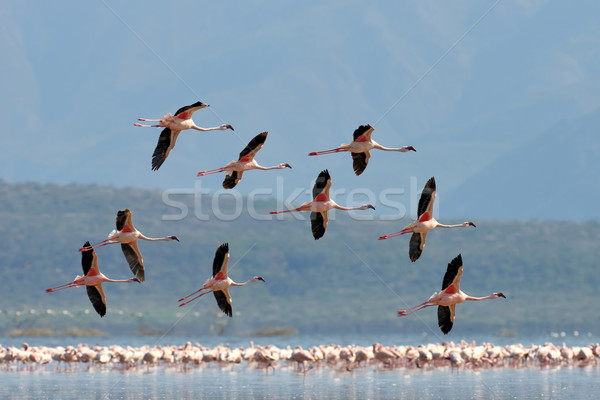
pixel 360 147
pixel 235 169
pixel 219 283
pixel 449 297
pixel 321 204
pixel 424 223
pixel 127 235
pixel 92 280
pixel 173 125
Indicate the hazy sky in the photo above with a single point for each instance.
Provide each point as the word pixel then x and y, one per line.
pixel 464 82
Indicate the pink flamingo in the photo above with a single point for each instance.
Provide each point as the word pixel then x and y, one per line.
pixel 360 147
pixel 127 235
pixel 246 162
pixel 92 280
pixel 219 283
pixel 173 125
pixel 321 204
pixel 424 223
pixel 449 297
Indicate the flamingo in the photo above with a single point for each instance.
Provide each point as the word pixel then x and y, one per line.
pixel 219 283
pixel 127 235
pixel 449 296
pixel 173 125
pixel 321 204
pixel 424 223
pixel 92 280
pixel 360 147
pixel 235 169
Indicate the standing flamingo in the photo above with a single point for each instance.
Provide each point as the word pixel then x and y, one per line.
pixel 321 204
pixel 219 283
pixel 235 169
pixel 173 125
pixel 424 223
pixel 449 297
pixel 127 235
pixel 92 280
pixel 360 147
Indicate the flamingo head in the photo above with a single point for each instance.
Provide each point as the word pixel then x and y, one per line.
pixel 500 295
pixel 469 223
pixel 134 280
pixel 227 126
pixel 410 148
pixel 366 206
pixel 258 278
pixel 173 238
pixel 285 165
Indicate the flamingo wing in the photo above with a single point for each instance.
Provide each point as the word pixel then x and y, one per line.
pixel 224 301
pixel 451 282
pixel 220 262
pixel 360 161
pixel 187 111
pixel 427 198
pixel 166 142
pixel 318 221
pixel 233 179
pixel 253 147
pixel 416 245
pixel 134 259
pixel 446 317
pixel 322 185
pixel 89 260
pixel 98 299
pixel 363 133
pixel 124 222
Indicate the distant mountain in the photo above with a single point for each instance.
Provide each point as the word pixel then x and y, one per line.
pixel 554 176
pixel 346 281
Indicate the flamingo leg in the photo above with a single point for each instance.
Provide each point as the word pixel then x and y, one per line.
pixel 148 126
pixel 211 171
pixel 99 244
pixel 61 287
pixel 402 313
pixel 402 232
pixel 194 298
pixel 318 153
pixel 190 295
pixel 150 120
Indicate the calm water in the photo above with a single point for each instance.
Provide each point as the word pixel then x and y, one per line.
pixel 242 382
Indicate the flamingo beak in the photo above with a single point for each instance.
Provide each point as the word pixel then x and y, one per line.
pixel 370 206
pixel 260 278
pixel 136 280
pixel 501 295
pixel 173 238
pixel 230 127
pixel 410 148
pixel 471 224
pixel 288 166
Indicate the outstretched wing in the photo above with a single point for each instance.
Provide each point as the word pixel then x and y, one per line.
pixel 322 185
pixel 187 111
pixel 231 180
pixel 427 198
pixel 253 147
pixel 124 222
pixel 89 260
pixel 220 261
pixel 98 299
pixel 134 259
pixel 363 133
pixel 360 161
pixel 451 282
pixel 224 301
pixel 318 221
pixel 416 245
pixel 446 318
pixel 166 142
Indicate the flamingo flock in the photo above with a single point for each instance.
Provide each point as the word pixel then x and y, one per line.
pixel 219 283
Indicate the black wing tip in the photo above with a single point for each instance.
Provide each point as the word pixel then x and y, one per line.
pixel 224 247
pixel 324 174
pixel 431 183
pixel 456 260
pixel 230 180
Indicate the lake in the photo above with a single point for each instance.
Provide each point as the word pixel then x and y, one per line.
pixel 240 381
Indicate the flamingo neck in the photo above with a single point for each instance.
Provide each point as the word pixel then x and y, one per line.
pixel 380 147
pixel 451 226
pixel 491 296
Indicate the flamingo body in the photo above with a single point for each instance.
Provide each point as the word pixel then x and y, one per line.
pixel 245 162
pixel 360 148
pixel 219 283
pixel 321 204
pixel 92 280
pixel 449 296
pixel 173 125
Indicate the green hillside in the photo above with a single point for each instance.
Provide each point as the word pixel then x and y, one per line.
pixel 347 281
